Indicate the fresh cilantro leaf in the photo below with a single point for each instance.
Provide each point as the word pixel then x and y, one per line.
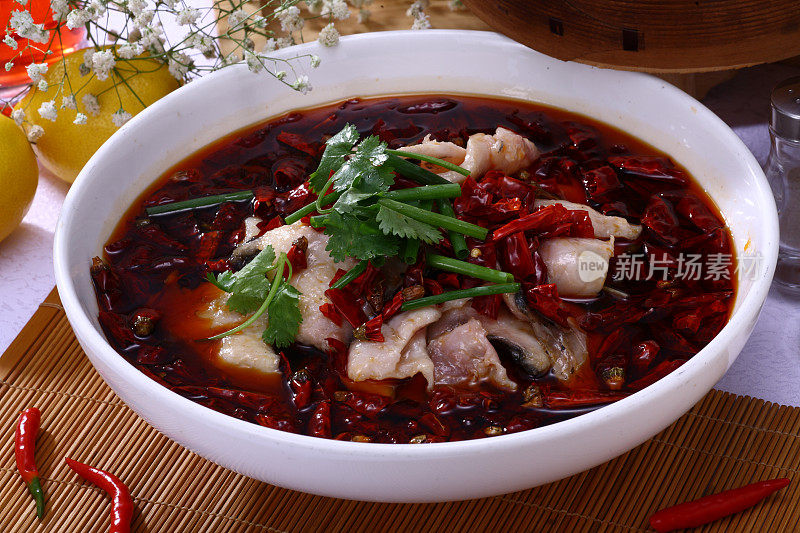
pixel 223 281
pixel 364 169
pixel 337 147
pixel 251 281
pixel 372 149
pixel 244 305
pixel 351 236
pixel 392 222
pixel 284 317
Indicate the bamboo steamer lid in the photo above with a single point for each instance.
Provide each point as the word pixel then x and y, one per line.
pixel 667 36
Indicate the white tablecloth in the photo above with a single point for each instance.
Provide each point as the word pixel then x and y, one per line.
pixel 768 367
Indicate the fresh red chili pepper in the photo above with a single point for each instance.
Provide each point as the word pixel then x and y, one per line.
pixel 710 508
pixel 121 502
pixel 25 446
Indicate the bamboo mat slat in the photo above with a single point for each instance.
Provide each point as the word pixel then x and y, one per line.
pixel 724 442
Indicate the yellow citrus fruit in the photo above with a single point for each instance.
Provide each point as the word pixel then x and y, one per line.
pixel 65 147
pixel 19 176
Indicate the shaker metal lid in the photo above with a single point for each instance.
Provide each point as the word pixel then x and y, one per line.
pixel 785 119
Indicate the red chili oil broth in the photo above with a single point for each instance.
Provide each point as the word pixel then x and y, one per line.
pixel 156 268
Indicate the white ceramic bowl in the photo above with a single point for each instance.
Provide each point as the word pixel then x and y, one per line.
pixel 389 63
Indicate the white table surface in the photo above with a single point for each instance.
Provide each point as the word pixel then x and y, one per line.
pixel 768 367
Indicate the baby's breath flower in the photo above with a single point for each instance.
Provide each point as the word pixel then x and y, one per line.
pixel 103 63
pixel 87 57
pixel 90 104
pixel 77 18
pixel 10 41
pixel 98 8
pixel 328 36
pixel 130 50
pixel 60 9
pixel 152 39
pixel 120 117
pixel 235 18
pixel 35 133
pixel 179 65
pixel 259 22
pixel 22 24
pixel 270 45
pixel 36 71
pixel 281 74
pixel 18 116
pixel 284 42
pixel 314 6
pixel 188 16
pixel 336 9
pixel 8 66
pixel 253 61
pixel 302 85
pixel 135 7
pixel 80 119
pixel 143 19
pixel 315 61
pixel 421 22
pixel 21 2
pixel 48 110
pixel 42 86
pixel 290 19
pixel 68 102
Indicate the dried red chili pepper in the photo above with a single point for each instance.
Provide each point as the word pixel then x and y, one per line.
pixel 715 506
pixel 320 423
pixel 661 370
pixel 297 254
pixel 372 329
pixel 329 312
pixel 121 502
pixel 346 305
pixel 550 221
pixel 362 402
pixel 580 398
pixel 301 388
pixel 545 299
pixel 517 258
pixel 24 450
pixel 644 354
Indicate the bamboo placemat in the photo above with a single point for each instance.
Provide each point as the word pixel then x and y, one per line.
pixel 725 441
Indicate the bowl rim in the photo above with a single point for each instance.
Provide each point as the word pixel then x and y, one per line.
pixel 746 312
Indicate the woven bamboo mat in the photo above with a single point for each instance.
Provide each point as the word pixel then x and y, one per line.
pixel 725 441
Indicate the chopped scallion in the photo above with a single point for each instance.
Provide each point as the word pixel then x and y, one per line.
pixel 196 203
pixel 486 290
pixel 468 269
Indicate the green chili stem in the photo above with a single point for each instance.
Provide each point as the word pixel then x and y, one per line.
pixel 428 159
pixel 456 239
pixel 486 290
pixel 351 274
pixel 276 282
pixel 310 208
pixel 468 269
pixel 195 203
pixel 435 219
pixel 427 192
pixel 414 172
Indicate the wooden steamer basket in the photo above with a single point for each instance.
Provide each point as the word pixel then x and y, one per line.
pixel 667 36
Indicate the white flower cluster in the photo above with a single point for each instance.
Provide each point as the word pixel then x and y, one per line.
pixel 22 24
pixel 417 11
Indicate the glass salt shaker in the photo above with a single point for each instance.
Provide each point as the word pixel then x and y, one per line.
pixel 783 172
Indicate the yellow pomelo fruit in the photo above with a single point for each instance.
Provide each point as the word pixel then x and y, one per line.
pixel 65 147
pixel 19 176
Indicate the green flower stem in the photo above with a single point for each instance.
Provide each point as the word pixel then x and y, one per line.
pixel 449 264
pixel 486 290
pixel 435 219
